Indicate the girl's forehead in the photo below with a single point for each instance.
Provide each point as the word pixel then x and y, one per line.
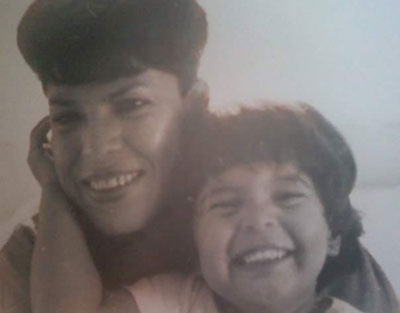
pixel 257 173
pixel 265 168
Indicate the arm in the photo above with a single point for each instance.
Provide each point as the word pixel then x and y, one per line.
pixel 64 277
pixel 15 259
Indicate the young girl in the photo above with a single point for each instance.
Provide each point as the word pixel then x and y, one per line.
pixel 272 223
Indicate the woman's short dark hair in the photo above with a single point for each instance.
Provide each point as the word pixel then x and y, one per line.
pixel 282 133
pixel 78 41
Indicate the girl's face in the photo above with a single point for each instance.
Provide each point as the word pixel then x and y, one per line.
pixel 262 237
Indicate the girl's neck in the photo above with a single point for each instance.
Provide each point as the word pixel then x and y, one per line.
pixel 311 304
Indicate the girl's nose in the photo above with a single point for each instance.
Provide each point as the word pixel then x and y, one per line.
pixel 260 218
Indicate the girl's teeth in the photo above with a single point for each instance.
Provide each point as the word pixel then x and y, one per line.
pixel 114 183
pixel 264 256
pixel 110 183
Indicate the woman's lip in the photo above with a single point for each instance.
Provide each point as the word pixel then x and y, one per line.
pixel 110 174
pixel 107 190
pixel 112 180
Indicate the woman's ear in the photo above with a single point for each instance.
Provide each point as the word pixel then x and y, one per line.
pixel 334 245
pixel 48 151
pixel 197 98
pixel 46 146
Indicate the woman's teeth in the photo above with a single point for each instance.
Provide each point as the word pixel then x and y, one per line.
pixel 113 182
pixel 265 255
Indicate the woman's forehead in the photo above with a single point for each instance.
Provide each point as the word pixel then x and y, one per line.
pixel 149 79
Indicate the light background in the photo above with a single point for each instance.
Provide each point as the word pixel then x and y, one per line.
pixel 342 56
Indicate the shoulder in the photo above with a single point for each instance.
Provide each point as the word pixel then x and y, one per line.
pixel 365 287
pixel 20 244
pixel 15 267
pixel 339 306
pixel 173 292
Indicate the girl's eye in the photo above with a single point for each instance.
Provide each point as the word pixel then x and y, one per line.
pixel 130 104
pixel 290 199
pixel 227 207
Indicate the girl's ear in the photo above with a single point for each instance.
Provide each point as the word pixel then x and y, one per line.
pixel 334 245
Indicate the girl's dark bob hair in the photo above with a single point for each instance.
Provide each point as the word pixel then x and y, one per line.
pixel 281 133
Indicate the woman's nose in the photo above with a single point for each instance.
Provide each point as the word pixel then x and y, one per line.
pixel 102 136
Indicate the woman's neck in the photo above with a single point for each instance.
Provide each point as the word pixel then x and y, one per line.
pixel 165 244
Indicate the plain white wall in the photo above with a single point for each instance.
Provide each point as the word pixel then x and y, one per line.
pixel 341 56
pixel 21 105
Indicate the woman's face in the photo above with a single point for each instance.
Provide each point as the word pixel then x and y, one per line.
pixel 115 144
pixel 261 236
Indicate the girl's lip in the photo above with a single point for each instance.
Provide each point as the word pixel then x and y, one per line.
pixel 261 254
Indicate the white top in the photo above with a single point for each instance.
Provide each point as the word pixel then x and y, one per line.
pixel 177 293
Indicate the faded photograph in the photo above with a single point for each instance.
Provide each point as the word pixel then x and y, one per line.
pixel 186 156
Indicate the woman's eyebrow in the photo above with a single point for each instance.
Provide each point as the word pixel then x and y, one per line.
pixel 124 89
pixel 60 101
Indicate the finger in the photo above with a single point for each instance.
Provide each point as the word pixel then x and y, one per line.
pixel 39 133
pixel 37 139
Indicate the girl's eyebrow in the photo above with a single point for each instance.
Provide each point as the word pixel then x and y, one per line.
pixel 216 191
pixel 295 178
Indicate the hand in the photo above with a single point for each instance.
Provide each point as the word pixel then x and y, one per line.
pixel 39 157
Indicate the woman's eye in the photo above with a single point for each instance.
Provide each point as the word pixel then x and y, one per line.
pixel 130 104
pixel 66 118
